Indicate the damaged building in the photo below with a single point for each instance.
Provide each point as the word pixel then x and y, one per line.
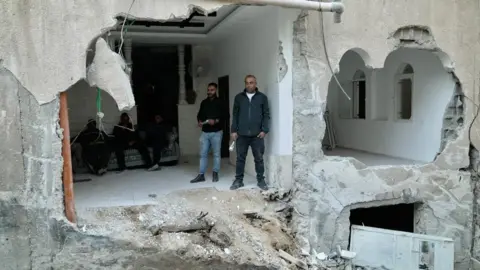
pixel 374 109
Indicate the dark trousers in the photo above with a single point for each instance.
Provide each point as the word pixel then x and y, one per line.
pixel 157 147
pixel 141 148
pixel 97 156
pixel 258 149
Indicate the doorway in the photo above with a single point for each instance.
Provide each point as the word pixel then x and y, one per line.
pixel 224 95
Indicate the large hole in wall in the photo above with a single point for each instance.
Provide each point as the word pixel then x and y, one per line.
pixel 398 217
pixel 395 113
pixel 200 49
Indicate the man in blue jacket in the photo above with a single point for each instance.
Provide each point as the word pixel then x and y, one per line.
pixel 250 124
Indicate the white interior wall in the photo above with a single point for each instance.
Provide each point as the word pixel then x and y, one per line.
pixel 416 139
pixel 283 145
pixel 82 105
pixel 251 47
pixel 189 132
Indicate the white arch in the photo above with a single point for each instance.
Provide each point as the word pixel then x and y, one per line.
pixel 405 68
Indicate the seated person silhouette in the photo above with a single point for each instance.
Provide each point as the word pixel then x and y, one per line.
pixel 95 149
pixel 127 138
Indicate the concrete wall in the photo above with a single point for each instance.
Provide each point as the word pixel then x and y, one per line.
pixel 30 177
pixel 381 132
pixel 327 188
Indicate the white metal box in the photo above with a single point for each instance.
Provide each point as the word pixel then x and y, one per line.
pixel 397 250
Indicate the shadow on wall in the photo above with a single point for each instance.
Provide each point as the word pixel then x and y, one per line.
pixel 395 114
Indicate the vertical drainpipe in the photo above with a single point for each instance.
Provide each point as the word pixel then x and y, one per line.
pixel 67 160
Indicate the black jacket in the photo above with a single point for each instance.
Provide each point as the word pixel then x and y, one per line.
pixel 213 109
pixel 91 136
pixel 124 135
pixel 250 117
pixel 157 133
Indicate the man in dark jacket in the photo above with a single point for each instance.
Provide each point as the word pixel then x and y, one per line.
pixel 211 117
pixel 125 138
pixel 250 124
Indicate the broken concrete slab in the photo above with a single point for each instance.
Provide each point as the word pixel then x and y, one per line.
pixel 108 72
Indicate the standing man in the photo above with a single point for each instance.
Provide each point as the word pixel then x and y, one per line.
pixel 211 118
pixel 250 124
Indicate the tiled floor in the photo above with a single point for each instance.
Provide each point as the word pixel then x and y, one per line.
pixel 136 187
pixel 370 159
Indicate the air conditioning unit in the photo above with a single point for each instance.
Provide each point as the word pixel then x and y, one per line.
pixel 395 250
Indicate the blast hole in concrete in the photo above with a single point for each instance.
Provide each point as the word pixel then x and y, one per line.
pixel 398 217
pixel 363 122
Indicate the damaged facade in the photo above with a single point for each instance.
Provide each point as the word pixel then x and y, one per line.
pixel 325 188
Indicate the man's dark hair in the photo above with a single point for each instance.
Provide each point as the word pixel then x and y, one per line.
pixel 213 84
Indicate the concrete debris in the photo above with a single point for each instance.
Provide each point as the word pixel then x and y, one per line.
pixel 321 256
pixel 108 72
pixel 276 194
pixel 284 255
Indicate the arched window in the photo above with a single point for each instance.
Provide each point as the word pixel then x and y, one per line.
pixel 359 95
pixel 404 92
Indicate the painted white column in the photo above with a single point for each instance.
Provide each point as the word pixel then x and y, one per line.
pixel 182 97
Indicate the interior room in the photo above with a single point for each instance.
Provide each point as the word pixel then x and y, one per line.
pixel 392 115
pixel 171 64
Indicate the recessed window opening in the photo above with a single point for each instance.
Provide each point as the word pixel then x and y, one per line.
pixel 398 217
pixel 403 93
pixel 359 95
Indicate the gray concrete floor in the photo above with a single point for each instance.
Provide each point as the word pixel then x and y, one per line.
pixel 370 159
pixel 136 187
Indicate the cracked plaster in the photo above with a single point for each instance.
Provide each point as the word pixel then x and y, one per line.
pixel 45 45
pixel 326 188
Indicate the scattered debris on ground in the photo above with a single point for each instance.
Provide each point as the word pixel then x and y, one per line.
pixel 245 229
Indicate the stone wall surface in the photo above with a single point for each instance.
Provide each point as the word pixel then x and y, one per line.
pixel 30 182
pixel 45 45
pixel 44 50
pixel 326 188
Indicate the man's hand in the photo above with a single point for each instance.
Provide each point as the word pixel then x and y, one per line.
pixel 261 135
pixel 200 124
pixel 234 136
pixel 211 122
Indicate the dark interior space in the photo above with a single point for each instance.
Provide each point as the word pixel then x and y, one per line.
pixel 362 96
pixel 224 94
pixel 398 217
pixel 157 66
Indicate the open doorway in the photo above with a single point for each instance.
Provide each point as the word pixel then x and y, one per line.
pixel 155 81
pixel 224 94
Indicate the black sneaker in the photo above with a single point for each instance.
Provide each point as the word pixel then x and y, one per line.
pixel 236 184
pixel 198 179
pixel 215 177
pixel 262 185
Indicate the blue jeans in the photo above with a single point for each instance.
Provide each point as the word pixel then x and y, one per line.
pixel 207 140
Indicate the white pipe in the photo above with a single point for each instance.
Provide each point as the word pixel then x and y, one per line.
pixel 336 7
